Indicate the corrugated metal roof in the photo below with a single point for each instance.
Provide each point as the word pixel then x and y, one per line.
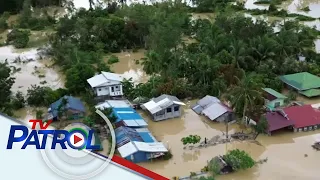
pixel 207 100
pixel 105 78
pixel 204 103
pixel 214 111
pixel 118 103
pixel 72 103
pixel 97 80
pixel 103 106
pixel 112 76
pixel 150 147
pixel 303 116
pixel 157 104
pixel 302 81
pixel 197 108
pixel 127 149
pixel 274 93
pixel 147 137
pixel 129 116
pixel 310 92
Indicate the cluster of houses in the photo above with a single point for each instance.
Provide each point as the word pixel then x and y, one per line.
pixel 136 143
pixel 296 116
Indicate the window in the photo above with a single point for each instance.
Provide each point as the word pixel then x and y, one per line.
pixel 160 113
pixel 315 127
pixel 169 110
pixel 310 128
pixel 112 89
pixel 99 89
pixel 277 104
pixel 176 108
pixel 117 88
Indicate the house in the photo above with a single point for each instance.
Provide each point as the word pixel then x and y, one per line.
pixel 204 103
pixel 114 104
pixel 163 107
pixel 106 84
pixel 138 145
pixel 222 166
pixel 214 109
pixel 277 120
pixel 128 117
pixel 273 99
pixel 304 117
pixel 305 83
pixel 74 108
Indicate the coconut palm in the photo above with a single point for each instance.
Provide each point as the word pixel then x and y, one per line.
pixel 244 95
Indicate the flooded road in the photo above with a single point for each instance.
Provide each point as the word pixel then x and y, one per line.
pixel 285 150
pixel 130 65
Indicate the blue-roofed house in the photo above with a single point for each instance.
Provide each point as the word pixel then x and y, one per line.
pixel 138 145
pixel 74 108
pixel 128 117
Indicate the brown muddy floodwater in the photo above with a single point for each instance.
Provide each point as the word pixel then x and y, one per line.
pixel 285 150
pixel 128 67
pixel 29 73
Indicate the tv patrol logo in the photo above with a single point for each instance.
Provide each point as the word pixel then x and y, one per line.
pixel 70 147
pixel 76 138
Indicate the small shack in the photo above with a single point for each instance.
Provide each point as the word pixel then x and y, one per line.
pixel 214 109
pixel 73 108
pixel 128 117
pixel 163 107
pixel 273 99
pixel 114 104
pixel 221 165
pixel 138 145
pixel 305 83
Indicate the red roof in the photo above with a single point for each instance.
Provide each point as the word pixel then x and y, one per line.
pixel 277 121
pixel 303 116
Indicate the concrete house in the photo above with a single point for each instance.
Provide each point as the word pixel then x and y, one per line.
pixel 214 109
pixel 273 99
pixel 74 108
pixel 106 84
pixel 163 107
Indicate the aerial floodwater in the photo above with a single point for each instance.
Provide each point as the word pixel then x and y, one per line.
pixel 289 155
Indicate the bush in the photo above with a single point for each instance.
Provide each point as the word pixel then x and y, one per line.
pixel 113 59
pixel 43 96
pixel 238 159
pixel 18 101
pixel 167 155
pixel 18 38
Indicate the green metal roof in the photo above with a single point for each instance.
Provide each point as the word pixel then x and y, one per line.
pixel 311 92
pixel 274 93
pixel 301 81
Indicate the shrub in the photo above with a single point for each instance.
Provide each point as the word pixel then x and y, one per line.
pixel 18 38
pixel 113 59
pixel 18 101
pixel 238 159
pixel 167 155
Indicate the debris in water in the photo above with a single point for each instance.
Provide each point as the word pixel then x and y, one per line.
pixel 316 146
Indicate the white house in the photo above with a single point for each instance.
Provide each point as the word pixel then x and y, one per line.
pixel 106 84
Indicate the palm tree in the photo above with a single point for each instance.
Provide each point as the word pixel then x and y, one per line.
pixel 244 95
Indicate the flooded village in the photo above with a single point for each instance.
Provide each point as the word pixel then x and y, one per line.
pixel 287 148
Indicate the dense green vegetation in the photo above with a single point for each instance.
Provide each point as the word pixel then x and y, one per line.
pixel 231 57
pixel 239 160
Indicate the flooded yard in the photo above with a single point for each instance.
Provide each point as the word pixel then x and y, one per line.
pixel 130 65
pixel 285 150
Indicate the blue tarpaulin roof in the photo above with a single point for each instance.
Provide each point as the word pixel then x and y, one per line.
pixel 72 103
pixel 126 114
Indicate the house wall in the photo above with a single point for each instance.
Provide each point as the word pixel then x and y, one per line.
pixel 113 90
pixel 166 114
pixel 74 114
pixel 228 116
pixel 137 157
pixel 270 97
pixel 273 103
